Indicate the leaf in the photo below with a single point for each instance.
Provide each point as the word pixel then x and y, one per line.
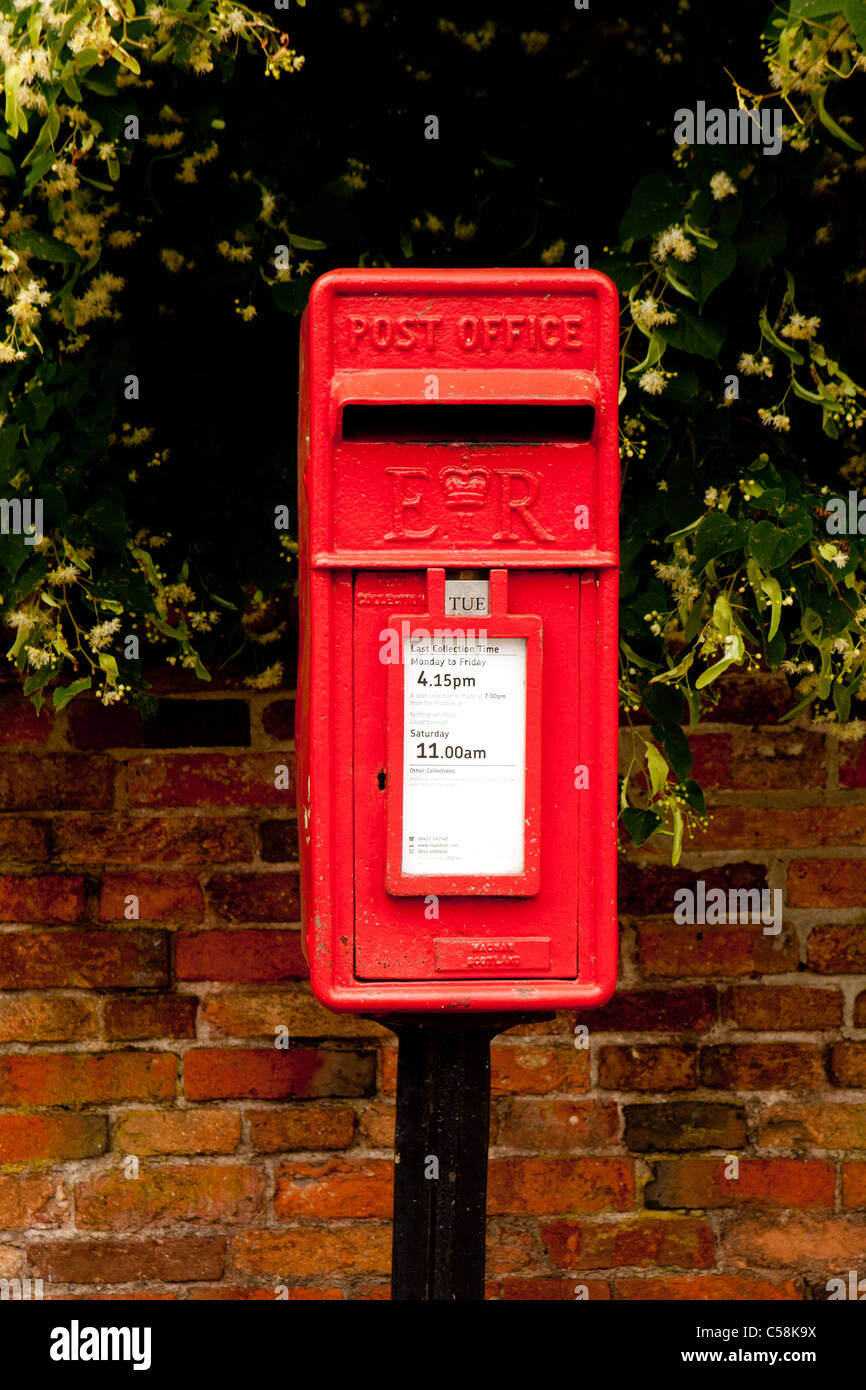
pixel 127 60
pixel 814 9
pixel 108 518
pixel 676 672
pixel 497 161
pixel 306 243
pixel 717 534
pixel 640 824
pixel 676 747
pixel 710 270
pixel 831 125
pixel 722 615
pixel 7 168
pixel 658 769
pixel 759 247
pixel 64 694
pixel 816 398
pixel 699 336
pixel 677 848
pixel 772 589
pixel 855 13
pixel 655 203
pixel 43 246
pixel 103 85
pixel 771 337
pixel 694 796
pixel 773 545
pixel 713 672
pixel 109 666
pixel 684 531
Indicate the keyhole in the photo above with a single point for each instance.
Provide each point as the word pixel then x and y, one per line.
pixel 381 780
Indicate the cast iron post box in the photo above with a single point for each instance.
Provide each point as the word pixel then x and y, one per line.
pixel 457 691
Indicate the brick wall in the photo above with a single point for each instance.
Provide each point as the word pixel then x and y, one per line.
pixel 260 1168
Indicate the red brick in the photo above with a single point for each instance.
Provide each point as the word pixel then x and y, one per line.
pixel 667 1010
pixel 860 1010
pixel 278 719
pixel 86 1078
pixel 535 1070
pixel 388 1070
pixel 126 958
pixel 334 1188
pixel 762 1066
pixel 261 1012
pixel 704 1288
pixel 209 779
pixel 161 897
pixel 23 841
pixel 266 1073
pixel 527 1123
pixel 826 883
pixel 814 1125
pixel 550 1290
pixel 226 1193
pixel 776 759
pixel 166 1259
pixel 716 952
pixel 247 956
pixel 511 1247
pixel 649 887
pixel 36 1138
pixel 679 1241
pixel 273 897
pixel 147 1132
pixel 848 1064
pixel 752 699
pixel 837 949
pixel 765 1008
pixel 150 1016
pixel 31 1199
pixel 643 1067
pixel 376 1125
pixel 47 1018
pixel 519 1186
pixel 20 724
pixel 306 1251
pixel 90 1296
pixel 854 1186
pixel 222 1294
pixel 670 1126
pixel 46 898
pixel 302 1126
pixel 279 841
pixel 852 764
pixel 789 1242
pixel 90 839
pixel 55 782
pixel 766 1182
pixel 808 827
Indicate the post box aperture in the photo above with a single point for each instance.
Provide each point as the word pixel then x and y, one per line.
pixel 457 692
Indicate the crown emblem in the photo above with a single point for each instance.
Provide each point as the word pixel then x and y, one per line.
pixel 465 487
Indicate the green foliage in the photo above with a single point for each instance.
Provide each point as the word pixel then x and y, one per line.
pixel 741 411
pixel 750 577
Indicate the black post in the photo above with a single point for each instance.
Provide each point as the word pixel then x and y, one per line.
pixel 440 1154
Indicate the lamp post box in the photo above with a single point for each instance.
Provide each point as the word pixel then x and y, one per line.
pixel 457 693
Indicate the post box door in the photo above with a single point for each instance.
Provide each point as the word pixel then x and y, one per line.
pixel 478 932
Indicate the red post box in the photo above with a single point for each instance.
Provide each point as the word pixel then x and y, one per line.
pixel 457 692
